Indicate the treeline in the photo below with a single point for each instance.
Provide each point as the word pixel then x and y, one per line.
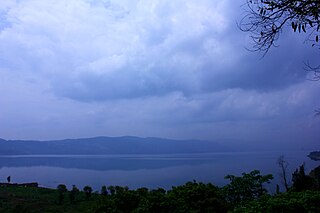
pixel 245 193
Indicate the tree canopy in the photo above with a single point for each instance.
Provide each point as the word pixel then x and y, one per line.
pixel 266 19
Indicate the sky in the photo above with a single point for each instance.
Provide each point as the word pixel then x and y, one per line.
pixel 173 69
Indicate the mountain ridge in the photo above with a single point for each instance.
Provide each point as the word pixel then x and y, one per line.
pixel 109 145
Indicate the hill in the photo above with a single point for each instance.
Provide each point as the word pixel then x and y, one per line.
pixel 108 145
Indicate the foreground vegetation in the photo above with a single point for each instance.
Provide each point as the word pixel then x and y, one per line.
pixel 244 193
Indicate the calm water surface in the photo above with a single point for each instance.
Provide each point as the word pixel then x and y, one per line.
pixel 144 170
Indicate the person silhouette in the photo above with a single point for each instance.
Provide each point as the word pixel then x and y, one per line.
pixel 8 179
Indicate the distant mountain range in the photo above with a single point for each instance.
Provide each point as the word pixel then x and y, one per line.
pixel 108 145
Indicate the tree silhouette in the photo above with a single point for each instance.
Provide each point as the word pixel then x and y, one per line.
pixel 112 190
pixel 104 190
pixel 61 191
pixel 315 174
pixel 87 190
pixel 73 193
pixel 283 166
pixel 265 20
pixel 247 187
pixel 301 181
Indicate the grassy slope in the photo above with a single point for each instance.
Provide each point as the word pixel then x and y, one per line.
pixel 33 199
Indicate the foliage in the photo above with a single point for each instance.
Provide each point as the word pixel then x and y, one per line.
pixel 87 190
pixel 73 193
pixel 266 19
pixel 247 187
pixel 190 197
pixel 315 174
pixel 155 200
pixel 37 200
pixel 111 190
pixel 61 191
pixel 306 201
pixel 301 181
pixel 243 194
pixel 197 197
pixel 62 188
pixel 104 190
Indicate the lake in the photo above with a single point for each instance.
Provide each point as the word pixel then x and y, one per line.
pixel 151 171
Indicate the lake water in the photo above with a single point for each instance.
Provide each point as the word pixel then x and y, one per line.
pixel 151 171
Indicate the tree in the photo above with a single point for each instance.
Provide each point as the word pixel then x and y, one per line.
pixel 155 200
pixel 248 187
pixel 266 19
pixel 315 174
pixel 307 201
pixel 301 181
pixel 73 193
pixel 283 166
pixel 197 197
pixel 111 190
pixel 104 190
pixel 61 191
pixel 87 190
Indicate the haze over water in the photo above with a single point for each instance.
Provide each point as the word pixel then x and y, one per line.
pixel 145 170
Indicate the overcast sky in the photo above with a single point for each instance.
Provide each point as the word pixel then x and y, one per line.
pixel 175 69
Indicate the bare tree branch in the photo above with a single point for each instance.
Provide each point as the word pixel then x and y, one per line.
pixel 265 20
pixel 314 70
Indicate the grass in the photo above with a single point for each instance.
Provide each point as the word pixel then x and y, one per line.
pixel 38 200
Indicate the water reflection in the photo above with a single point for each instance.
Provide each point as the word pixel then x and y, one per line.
pixel 107 162
pixel 143 170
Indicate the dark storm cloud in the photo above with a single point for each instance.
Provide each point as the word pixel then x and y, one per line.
pixel 190 70
pixel 133 57
pixel 130 57
pixel 151 68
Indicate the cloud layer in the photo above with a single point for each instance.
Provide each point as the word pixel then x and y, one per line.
pixel 161 68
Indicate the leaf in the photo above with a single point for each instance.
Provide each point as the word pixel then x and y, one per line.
pixel 261 10
pixel 274 28
pixel 304 29
pixel 317 38
pixel 294 25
